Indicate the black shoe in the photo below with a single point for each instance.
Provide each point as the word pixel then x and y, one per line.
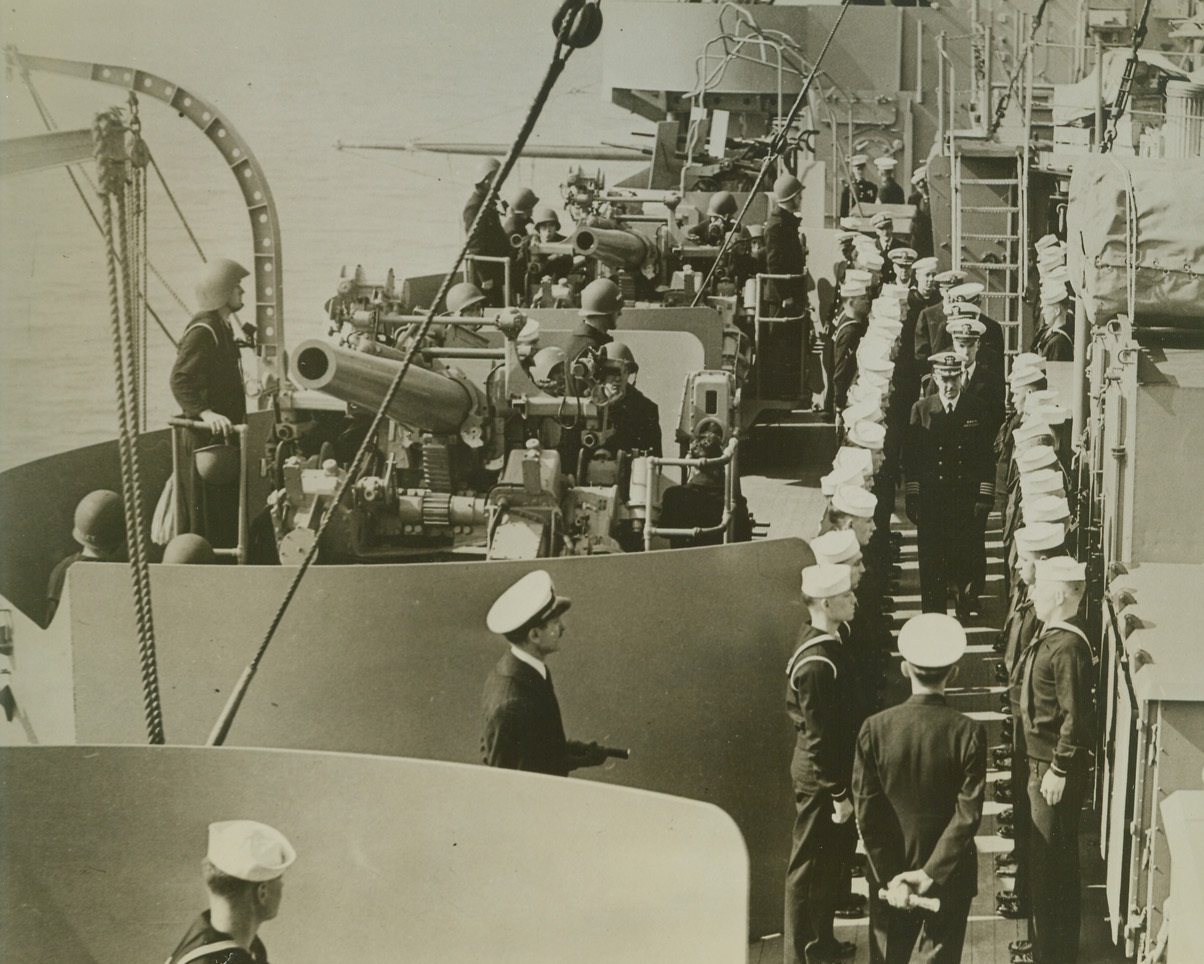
pixel 1020 946
pixel 1007 870
pixel 852 908
pixel 1002 759
pixel 1007 816
pixel 1005 831
pixel 1002 792
pixel 1023 957
pixel 1009 909
pixel 1004 859
pixel 1001 673
pixel 835 952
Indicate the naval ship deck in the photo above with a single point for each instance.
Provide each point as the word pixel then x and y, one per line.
pixel 800 448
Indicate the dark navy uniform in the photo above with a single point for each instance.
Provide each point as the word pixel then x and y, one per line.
pixel 891 193
pixel 523 729
pixel 1019 632
pixel 491 241
pixel 918 782
pixel 1054 344
pixel 205 944
pixel 986 382
pixel 867 193
pixel 1058 715
pixel 781 349
pixel 818 701
pixel 846 337
pixel 932 336
pixel 950 466
pixel 921 224
pixel 637 423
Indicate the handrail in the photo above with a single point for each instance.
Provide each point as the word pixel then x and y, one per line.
pixel 261 209
pixel 504 260
pixel 239 552
pixel 728 459
pixel 758 319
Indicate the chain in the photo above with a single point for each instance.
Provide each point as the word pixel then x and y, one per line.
pixel 1002 107
pixel 1117 110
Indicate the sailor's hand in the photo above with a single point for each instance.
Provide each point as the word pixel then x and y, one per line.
pixel 217 424
pixel 897 894
pixel 1052 787
pixel 915 880
pixel 842 810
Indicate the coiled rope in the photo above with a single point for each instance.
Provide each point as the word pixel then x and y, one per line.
pixel 111 164
pixel 560 57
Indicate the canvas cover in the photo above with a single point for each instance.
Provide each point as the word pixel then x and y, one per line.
pixel 1160 203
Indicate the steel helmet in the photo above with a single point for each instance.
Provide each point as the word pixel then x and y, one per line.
pixel 617 351
pixel 545 214
pixel 523 200
pixel 601 297
pixel 545 363
pixel 100 520
pixel 464 295
pixel 486 169
pixel 786 188
pixel 723 204
pixel 189 549
pixel 217 284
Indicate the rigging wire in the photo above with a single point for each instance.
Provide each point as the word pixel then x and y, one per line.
pixel 1017 70
pixel 560 56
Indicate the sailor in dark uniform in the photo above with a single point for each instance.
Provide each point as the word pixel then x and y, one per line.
pixel 885 243
pixel 100 531
pixel 781 349
pixel 601 305
pixel 522 725
pixel 930 326
pixel 992 348
pixel 918 783
pixel 1058 715
pixel 890 191
pixel 243 872
pixel 538 265
pixel 862 190
pixel 818 703
pixel 519 216
pixel 847 332
pixel 490 239
pixel 1054 339
pixel 633 415
pixel 949 461
pixel 921 222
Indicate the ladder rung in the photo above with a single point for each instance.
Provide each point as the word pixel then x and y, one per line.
pixel 995 181
pixel 990 210
pixel 989 265
pixel 992 237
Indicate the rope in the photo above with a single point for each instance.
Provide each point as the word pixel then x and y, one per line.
pixel 559 58
pixel 777 147
pixel 108 132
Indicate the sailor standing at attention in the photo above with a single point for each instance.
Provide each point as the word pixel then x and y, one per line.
pixel 490 239
pixel 780 357
pixel 522 725
pixel 818 702
pixel 243 872
pixel 861 191
pixel 206 381
pixel 890 191
pixel 918 782
pixel 1058 715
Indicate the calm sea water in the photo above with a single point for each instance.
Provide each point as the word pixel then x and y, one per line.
pixel 293 78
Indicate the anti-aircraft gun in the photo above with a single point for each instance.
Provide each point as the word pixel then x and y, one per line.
pixel 495 467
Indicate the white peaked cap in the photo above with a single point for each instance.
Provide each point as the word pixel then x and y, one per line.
pixel 932 641
pixel 969 289
pixel 822 582
pixel 249 850
pixel 835 547
pixel 533 596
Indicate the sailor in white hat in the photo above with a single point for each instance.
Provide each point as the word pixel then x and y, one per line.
pixel 909 856
pixel 852 508
pixel 849 327
pixel 1058 716
pixel 820 690
pixel 861 191
pixel 1054 339
pixel 840 547
pixel 523 728
pixel 243 871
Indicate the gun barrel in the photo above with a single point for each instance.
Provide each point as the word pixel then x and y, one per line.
pixel 617 752
pixel 619 249
pixel 425 399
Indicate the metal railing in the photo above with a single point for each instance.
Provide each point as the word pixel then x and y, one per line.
pixel 178 425
pixel 472 260
pixel 759 319
pixel 729 460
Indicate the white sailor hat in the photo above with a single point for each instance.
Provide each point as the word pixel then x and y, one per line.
pixel 1041 481
pixel 926 264
pixel 1030 359
pixel 919 174
pixel 862 392
pixel 1048 241
pixel 880 219
pixel 858 275
pixel 1025 375
pixel 867 435
pixel 870 362
pixel 845 236
pixel 902 255
pixel 1051 412
pixel 1061 569
pixel 854 223
pixel 532 599
pixel 1054 272
pixel 966 291
pixel 847 474
pixel 947 362
pixel 1035 537
pixel 1054 294
pixel 823 582
pixel 249 850
pixel 876 381
pixel 853 289
pixel 862 412
pixel 1031 429
pixel 852 456
pixel 896 291
pixel 886 328
pixel 951 277
pixel 858 160
pixel 1046 508
pixel 853 500
pixel 961 327
pixel 932 641
pixel 885 163
pixel 1037 457
pixel 877 340
pixel 888 308
pixel 871 259
pixel 835 547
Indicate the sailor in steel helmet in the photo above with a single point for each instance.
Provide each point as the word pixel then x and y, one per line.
pixel 243 871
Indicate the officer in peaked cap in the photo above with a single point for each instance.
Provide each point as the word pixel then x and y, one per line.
pixel 522 724
pixel 243 871
pixel 918 822
pixel 1057 713
pixel 930 325
pixel 981 377
pixel 819 699
pixel 950 465
pixel 902 258
pixel 865 191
